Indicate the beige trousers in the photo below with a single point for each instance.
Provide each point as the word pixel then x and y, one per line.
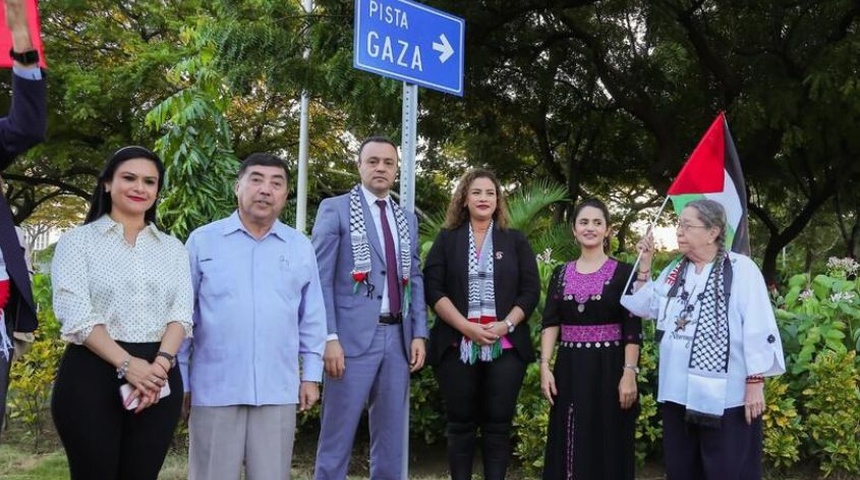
pixel 222 438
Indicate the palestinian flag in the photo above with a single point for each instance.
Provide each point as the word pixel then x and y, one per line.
pixel 714 171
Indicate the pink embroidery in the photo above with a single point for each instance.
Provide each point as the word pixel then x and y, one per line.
pixel 568 454
pixel 591 333
pixel 585 285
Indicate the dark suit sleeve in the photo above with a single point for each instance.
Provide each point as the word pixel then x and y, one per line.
pixel 417 301
pixel 435 268
pixel 326 240
pixel 25 124
pixel 528 290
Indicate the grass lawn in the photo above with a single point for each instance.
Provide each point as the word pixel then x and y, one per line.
pixel 21 459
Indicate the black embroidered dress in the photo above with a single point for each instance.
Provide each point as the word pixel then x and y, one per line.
pixel 590 437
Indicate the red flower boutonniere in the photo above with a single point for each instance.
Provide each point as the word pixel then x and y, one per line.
pixel 361 277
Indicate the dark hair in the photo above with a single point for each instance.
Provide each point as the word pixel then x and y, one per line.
pixel 100 203
pixel 375 139
pixel 598 204
pixel 458 213
pixel 594 203
pixel 265 160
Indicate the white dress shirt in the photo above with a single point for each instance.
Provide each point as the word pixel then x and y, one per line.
pixel 371 199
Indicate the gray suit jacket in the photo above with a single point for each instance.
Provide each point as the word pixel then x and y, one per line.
pixel 353 316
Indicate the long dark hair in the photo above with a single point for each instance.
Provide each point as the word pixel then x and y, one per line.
pixel 100 203
pixel 458 213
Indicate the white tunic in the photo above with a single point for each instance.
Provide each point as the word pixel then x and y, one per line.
pixel 754 343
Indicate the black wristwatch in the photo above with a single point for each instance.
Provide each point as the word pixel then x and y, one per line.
pixel 170 358
pixel 25 58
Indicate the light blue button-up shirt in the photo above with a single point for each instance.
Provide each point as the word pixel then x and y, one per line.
pixel 258 309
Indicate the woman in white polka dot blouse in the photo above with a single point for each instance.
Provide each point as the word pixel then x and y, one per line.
pixel 122 292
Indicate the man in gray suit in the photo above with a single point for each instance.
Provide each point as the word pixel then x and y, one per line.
pixel 367 251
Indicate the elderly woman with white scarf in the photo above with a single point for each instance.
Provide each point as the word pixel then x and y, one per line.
pixel 718 340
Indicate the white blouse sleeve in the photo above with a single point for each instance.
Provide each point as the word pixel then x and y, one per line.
pixel 70 281
pixel 762 344
pixel 182 301
pixel 645 302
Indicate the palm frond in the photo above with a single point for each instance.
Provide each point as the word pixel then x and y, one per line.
pixel 527 205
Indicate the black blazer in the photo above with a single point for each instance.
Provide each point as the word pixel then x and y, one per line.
pixel 515 275
pixel 20 129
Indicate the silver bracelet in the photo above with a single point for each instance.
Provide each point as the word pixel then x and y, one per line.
pixel 122 369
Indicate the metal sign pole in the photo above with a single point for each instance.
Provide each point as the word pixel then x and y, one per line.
pixel 302 174
pixel 408 142
pixel 408 146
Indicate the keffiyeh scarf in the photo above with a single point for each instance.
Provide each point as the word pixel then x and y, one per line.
pixel 707 370
pixel 361 248
pixel 482 299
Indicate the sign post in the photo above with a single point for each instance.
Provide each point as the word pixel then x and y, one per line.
pixel 409 41
pixel 419 45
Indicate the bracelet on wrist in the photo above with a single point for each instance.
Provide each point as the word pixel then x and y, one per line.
pixel 122 369
pixel 171 359
pixel 753 379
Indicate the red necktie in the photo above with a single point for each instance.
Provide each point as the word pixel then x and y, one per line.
pixel 390 261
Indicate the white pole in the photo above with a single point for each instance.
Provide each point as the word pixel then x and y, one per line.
pixel 302 174
pixel 408 146
pixel 639 257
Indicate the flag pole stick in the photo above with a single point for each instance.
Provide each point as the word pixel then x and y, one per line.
pixel 639 257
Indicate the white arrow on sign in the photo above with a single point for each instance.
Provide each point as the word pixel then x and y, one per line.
pixel 444 48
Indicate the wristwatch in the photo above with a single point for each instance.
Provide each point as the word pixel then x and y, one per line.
pixel 510 325
pixel 632 367
pixel 170 358
pixel 26 58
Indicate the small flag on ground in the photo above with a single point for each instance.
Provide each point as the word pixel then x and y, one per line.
pixel 714 171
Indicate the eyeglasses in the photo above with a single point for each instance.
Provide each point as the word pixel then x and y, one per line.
pixel 684 227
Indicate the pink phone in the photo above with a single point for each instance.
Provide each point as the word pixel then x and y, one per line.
pixel 126 389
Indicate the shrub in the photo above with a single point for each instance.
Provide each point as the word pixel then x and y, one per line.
pixel 832 402
pixel 783 433
pixel 531 423
pixel 32 377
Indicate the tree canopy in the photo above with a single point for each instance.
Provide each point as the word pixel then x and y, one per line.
pixel 606 98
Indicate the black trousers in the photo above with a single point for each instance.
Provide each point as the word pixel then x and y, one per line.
pixel 5 371
pixel 102 439
pixel 695 452
pixel 481 396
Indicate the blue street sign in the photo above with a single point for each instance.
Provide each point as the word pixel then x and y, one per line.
pixel 411 42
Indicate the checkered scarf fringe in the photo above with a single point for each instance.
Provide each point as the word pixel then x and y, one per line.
pixel 361 247
pixel 482 299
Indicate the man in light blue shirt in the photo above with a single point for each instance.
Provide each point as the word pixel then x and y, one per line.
pixel 258 310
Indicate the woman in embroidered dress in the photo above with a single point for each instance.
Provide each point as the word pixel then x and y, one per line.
pixel 481 279
pixel 122 292
pixel 718 340
pixel 592 388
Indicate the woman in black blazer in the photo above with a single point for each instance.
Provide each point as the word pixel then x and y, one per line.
pixel 481 279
